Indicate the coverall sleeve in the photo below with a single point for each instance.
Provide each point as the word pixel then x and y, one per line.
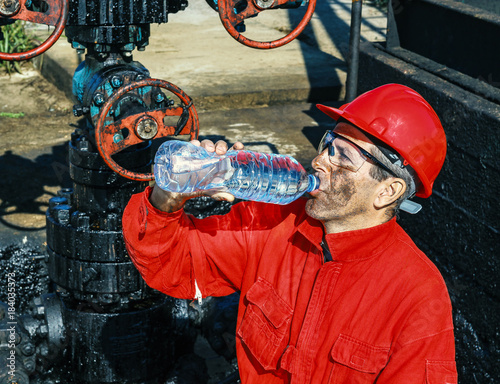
pixel 430 360
pixel 424 351
pixel 179 255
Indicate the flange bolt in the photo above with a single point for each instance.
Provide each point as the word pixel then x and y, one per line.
pixel 99 99
pixel 116 81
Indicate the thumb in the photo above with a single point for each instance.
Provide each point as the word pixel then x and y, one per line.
pixel 221 196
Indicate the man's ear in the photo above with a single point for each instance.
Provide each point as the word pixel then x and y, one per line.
pixel 389 191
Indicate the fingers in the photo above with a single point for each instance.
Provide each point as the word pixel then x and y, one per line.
pixel 221 196
pixel 238 146
pixel 208 145
pixel 220 147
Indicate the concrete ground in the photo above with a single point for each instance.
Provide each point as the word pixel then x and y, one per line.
pixel 263 98
pixel 195 52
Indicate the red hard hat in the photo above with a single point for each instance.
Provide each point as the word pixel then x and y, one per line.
pixel 403 120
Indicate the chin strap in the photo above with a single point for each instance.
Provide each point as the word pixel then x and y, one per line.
pixel 410 207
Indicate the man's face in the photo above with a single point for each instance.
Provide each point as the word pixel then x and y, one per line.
pixel 342 194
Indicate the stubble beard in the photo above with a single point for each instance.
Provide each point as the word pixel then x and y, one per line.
pixel 332 204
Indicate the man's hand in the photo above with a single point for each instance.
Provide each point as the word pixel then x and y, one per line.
pixel 171 202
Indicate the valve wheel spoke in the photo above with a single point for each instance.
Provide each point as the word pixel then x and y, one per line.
pixel 112 145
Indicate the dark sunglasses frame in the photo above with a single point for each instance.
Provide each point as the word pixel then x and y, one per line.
pixel 364 152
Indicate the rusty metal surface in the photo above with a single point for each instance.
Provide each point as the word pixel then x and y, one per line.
pixel 57 17
pixel 230 19
pixel 106 134
pixel 9 8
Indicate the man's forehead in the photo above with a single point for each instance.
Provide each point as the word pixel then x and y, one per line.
pixel 352 132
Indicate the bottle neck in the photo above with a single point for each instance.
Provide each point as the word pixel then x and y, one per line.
pixel 313 183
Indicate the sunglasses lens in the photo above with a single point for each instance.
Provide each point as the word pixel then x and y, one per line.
pixel 341 152
pixel 325 142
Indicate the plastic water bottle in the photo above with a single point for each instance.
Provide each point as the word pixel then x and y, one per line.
pixel 183 167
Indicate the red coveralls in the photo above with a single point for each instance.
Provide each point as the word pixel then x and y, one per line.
pixel 379 312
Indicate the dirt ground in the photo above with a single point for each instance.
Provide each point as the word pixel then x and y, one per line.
pixel 36 122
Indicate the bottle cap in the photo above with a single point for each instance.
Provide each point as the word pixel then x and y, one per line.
pixel 313 183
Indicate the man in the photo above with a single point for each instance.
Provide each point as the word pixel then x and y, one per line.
pixel 332 289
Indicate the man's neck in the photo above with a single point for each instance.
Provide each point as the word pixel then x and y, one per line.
pixel 354 223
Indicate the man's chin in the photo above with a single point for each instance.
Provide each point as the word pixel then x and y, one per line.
pixel 312 208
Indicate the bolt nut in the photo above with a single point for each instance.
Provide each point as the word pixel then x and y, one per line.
pixel 42 330
pixel 264 4
pixel 116 81
pixel 146 129
pixel 241 27
pixel 82 220
pixel 44 350
pixel 107 298
pixel 29 366
pixel 39 312
pixel 77 110
pixel 98 99
pixel 159 97
pixel 83 145
pixel 80 110
pixel 38 300
pixel 62 214
pixel 110 221
pixel 66 192
pixel 9 7
pixel 54 202
pixel 28 349
pixel 118 137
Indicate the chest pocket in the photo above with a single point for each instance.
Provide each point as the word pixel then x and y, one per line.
pixel 265 324
pixel 356 362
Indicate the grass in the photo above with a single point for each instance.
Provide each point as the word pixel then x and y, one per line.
pixel 12 115
pixel 15 39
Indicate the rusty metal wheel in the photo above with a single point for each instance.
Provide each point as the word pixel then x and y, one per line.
pixel 56 16
pixel 234 12
pixel 114 137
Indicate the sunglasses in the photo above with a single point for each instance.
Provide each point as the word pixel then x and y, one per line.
pixel 345 154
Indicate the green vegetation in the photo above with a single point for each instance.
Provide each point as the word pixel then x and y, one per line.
pixel 15 39
pixel 12 115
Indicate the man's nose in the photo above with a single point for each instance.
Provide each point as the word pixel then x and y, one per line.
pixel 322 158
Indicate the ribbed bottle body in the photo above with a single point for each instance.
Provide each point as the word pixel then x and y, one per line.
pixel 182 167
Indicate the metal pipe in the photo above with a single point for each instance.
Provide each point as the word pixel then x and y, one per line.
pixel 353 58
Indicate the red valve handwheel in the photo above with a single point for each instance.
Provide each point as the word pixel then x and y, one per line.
pixel 230 19
pixel 110 140
pixel 57 16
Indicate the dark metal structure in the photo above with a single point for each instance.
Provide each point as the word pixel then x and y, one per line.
pixel 417 26
pixel 100 323
pixel 353 59
pixel 447 51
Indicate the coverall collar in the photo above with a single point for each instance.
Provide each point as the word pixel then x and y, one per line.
pixel 362 243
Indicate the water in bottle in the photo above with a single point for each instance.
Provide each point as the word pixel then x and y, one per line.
pixel 183 167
